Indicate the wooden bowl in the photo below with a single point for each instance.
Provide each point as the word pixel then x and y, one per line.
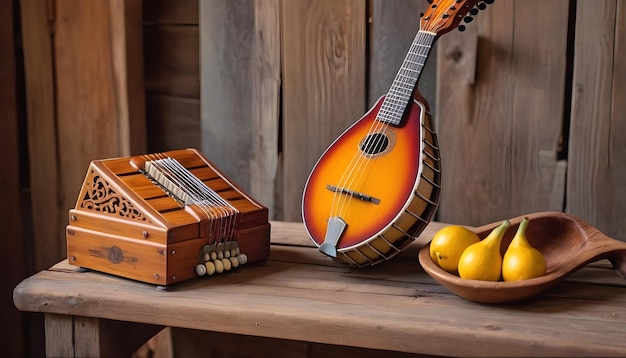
pixel 566 242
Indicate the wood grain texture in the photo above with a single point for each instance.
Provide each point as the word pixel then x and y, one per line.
pixel 168 12
pixel 500 100
pixel 394 25
pixel 301 295
pixel 172 60
pixel 12 214
pixel 174 122
pixel 92 337
pixel 266 96
pixel 323 85
pixel 597 151
pixel 48 220
pixel 98 102
pixel 239 44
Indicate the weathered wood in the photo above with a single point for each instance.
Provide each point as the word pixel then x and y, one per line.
pixel 301 295
pixel 500 102
pixel 597 151
pixel 71 336
pixel 12 218
pixel 239 44
pixel 47 218
pixel 323 85
pixel 394 25
pixel 173 122
pixel 266 95
pixel 99 107
pixel 233 345
pixel 172 60
pixel 180 12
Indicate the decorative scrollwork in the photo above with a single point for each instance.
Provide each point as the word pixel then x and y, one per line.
pixel 100 196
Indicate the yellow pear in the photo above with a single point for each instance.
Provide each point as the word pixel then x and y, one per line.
pixel 482 260
pixel 521 260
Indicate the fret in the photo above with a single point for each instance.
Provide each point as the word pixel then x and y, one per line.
pixel 401 91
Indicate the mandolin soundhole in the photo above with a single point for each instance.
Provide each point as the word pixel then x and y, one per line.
pixel 374 144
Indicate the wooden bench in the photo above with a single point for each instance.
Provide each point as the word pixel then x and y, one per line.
pixel 302 303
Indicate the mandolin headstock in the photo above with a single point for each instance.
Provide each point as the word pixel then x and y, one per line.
pixel 444 15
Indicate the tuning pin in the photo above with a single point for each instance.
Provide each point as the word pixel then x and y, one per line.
pixel 226 263
pixel 210 268
pixel 482 6
pixel 474 11
pixel 461 28
pixel 488 1
pixel 200 270
pixel 468 19
pixel 421 14
pixel 219 266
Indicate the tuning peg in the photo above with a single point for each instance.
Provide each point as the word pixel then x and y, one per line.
pixel 482 6
pixel 488 1
pixel 421 14
pixel 474 11
pixel 461 28
pixel 468 19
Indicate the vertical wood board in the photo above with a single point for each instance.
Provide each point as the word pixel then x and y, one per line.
pixel 179 12
pixel 174 123
pixel 394 26
pixel 500 109
pixel 265 82
pixel 11 214
pixel 240 91
pixel 323 85
pixel 597 150
pixel 47 219
pixel 172 60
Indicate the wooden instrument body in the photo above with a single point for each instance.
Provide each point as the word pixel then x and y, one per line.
pixel 126 225
pixel 404 178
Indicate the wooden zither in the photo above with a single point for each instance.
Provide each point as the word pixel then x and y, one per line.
pixel 164 218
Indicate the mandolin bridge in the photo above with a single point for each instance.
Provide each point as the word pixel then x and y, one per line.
pixel 353 193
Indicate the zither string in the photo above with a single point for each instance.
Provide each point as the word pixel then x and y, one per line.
pixel 215 207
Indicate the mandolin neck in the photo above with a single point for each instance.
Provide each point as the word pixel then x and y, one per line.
pixel 401 91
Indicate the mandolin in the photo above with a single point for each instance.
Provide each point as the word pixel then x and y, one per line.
pixel 377 186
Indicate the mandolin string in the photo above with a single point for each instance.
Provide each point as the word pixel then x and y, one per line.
pixel 393 106
pixel 395 109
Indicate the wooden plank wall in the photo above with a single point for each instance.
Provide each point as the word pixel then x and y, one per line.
pixel 172 74
pixel 240 49
pixel 597 149
pixel 500 111
pixel 84 100
pixel 500 93
pixel 12 178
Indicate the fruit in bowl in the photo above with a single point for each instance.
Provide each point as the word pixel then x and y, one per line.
pixel 457 249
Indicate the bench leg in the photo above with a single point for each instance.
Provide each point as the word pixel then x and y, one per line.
pixel 75 336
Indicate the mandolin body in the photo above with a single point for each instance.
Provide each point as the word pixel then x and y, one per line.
pixel 390 193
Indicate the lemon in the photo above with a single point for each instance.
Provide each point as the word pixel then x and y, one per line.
pixel 521 260
pixel 480 263
pixel 482 260
pixel 448 244
pixel 523 265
